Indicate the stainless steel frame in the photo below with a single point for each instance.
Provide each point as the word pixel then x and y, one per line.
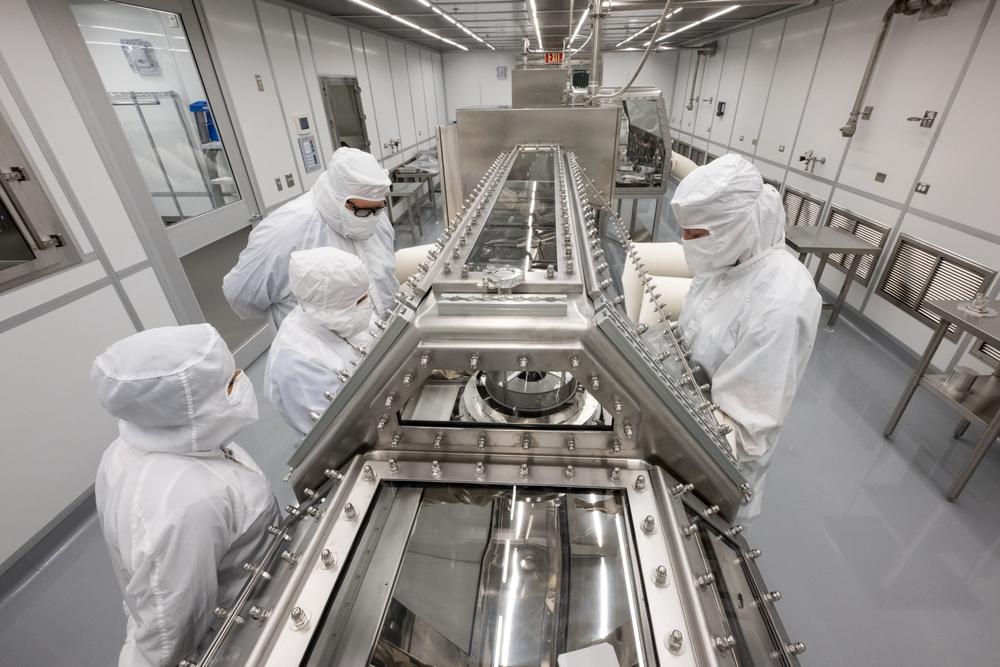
pixel 661 449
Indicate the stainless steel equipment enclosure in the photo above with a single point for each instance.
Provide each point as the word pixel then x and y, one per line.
pixel 535 87
pixel 514 474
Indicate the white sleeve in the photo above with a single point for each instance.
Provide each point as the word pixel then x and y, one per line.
pixel 260 278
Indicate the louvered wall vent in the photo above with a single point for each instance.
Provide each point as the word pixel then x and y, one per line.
pixel 988 353
pixel 863 228
pixel 919 272
pixel 801 208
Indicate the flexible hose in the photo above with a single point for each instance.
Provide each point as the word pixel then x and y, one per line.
pixel 652 41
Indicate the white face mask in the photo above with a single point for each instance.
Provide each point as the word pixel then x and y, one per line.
pixel 355 320
pixel 357 228
pixel 699 253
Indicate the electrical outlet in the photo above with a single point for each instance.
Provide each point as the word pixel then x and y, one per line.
pixel 260 82
pixel 290 180
pixel 922 188
pixel 781 149
pixel 753 141
pixel 174 23
pixel 741 137
pixel 277 182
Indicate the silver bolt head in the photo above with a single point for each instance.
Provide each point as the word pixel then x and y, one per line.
pixel 648 524
pixel 368 473
pixel 675 642
pixel 435 468
pixel 569 472
pixel 796 648
pixel 640 483
pixel 480 468
pixel 523 472
pixel 349 511
pixel 393 467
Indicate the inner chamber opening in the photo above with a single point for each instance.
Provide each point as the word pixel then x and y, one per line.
pixel 513 577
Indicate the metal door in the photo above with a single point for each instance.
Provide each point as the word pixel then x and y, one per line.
pixel 154 63
pixel 348 122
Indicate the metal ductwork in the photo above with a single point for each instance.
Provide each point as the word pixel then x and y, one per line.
pixel 930 8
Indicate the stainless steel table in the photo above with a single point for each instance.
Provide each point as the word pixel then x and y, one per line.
pixel 411 193
pixel 421 177
pixel 823 241
pixel 981 405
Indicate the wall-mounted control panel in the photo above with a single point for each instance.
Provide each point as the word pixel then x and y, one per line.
pixel 310 153
pixel 302 124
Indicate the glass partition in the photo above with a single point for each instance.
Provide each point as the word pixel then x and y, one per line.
pixel 514 577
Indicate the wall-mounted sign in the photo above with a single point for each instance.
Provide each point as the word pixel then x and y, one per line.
pixel 553 58
pixel 501 72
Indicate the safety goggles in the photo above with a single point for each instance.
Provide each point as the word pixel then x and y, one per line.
pixel 364 212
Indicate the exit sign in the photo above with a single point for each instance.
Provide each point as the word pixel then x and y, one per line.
pixel 553 58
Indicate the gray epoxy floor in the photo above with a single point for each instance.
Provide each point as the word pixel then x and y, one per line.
pixel 875 567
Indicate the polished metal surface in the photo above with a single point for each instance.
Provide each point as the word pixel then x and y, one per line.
pixel 535 87
pixel 570 437
pixel 591 133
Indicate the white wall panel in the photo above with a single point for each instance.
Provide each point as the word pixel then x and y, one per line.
pixel 430 92
pixel 439 88
pixel 462 80
pixel 967 194
pixel 907 83
pixel 842 61
pixel 321 126
pixel 404 101
pixel 16 301
pixel 233 24
pixel 708 92
pixel 367 100
pixel 792 75
pixel 764 46
pixel 146 296
pixel 384 102
pixel 492 91
pixel 61 454
pixel 331 47
pixel 685 64
pixel 55 111
pixel 283 53
pixel 733 66
pixel 414 66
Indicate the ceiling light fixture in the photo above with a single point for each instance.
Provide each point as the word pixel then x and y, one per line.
pixel 534 20
pixel 634 35
pixel 691 25
pixel 378 10
pixel 434 7
pixel 576 33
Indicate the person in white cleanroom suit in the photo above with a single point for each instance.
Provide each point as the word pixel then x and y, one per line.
pixel 751 314
pixel 182 507
pixel 321 336
pixel 344 210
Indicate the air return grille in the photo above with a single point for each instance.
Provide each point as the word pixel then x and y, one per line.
pixel 801 209
pixel 864 229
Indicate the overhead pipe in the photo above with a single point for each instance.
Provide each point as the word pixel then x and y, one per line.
pixel 694 82
pixel 905 7
pixel 592 96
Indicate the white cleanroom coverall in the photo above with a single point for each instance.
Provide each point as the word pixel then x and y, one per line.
pixel 321 336
pixel 751 314
pixel 258 284
pixel 181 506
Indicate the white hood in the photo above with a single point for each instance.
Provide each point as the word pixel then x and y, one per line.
pixel 168 386
pixel 328 283
pixel 743 216
pixel 352 174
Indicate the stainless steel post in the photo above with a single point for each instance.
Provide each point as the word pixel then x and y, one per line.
pixel 978 454
pixel 918 373
pixel 852 122
pixel 595 48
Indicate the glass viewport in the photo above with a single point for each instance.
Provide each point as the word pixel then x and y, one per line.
pixel 514 577
pixel 644 147
pixel 521 228
pixel 736 599
pixel 542 399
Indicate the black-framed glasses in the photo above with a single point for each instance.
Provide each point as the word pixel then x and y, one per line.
pixel 363 212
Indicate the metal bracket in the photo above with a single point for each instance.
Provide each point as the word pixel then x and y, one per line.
pixel 926 121
pixel 15 174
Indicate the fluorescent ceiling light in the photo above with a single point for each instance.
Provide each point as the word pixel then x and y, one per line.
pixel 453 21
pixel 691 25
pixel 377 10
pixel 634 35
pixel 576 33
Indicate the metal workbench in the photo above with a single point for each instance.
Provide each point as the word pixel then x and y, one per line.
pixel 824 241
pixel 981 405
